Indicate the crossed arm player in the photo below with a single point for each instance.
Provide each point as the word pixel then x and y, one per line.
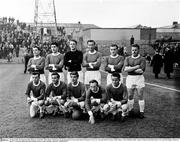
pixel 135 66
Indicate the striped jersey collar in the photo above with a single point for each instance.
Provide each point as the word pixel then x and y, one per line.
pixel 94 52
pixel 75 85
pixel 57 84
pixel 135 57
pixel 114 56
pixel 55 54
pixel 118 85
pixel 36 84
pixel 35 58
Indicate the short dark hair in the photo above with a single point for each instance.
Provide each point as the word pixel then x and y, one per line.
pixel 54 43
pixel 91 41
pixel 93 81
pixel 135 45
pixel 74 73
pixel 116 74
pixel 114 45
pixel 55 73
pixel 73 40
pixel 37 47
pixel 36 73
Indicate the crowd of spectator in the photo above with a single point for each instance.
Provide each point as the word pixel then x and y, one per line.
pixel 14 36
pixel 167 55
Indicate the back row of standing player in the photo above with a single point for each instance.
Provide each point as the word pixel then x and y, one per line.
pixel 134 65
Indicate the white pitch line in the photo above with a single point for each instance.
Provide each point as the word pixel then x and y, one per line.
pixel 172 89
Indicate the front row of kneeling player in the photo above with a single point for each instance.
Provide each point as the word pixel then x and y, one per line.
pixel 73 98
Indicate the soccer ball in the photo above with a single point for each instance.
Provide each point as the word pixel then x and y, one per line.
pixel 76 115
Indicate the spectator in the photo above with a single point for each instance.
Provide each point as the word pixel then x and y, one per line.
pixel 168 62
pixel 157 63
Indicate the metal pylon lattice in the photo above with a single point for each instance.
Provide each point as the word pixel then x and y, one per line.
pixel 45 15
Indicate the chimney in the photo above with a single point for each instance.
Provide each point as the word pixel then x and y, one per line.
pixel 175 23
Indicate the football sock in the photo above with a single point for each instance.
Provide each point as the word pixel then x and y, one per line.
pixel 141 105
pixel 41 109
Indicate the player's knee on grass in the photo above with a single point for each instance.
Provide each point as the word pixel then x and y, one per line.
pixel 33 110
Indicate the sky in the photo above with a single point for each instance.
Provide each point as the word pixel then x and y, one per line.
pixel 103 13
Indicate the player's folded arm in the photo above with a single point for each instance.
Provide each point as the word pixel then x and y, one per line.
pixel 119 66
pixel 85 63
pixel 40 67
pixel 143 64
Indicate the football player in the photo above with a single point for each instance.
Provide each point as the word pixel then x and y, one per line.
pixel 73 60
pixel 36 98
pixel 56 94
pixel 117 96
pixel 135 66
pixel 96 98
pixel 37 64
pixel 75 93
pixel 54 62
pixel 92 62
pixel 114 63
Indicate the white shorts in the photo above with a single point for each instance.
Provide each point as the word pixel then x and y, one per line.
pixel 109 80
pixel 80 77
pixel 42 78
pixel 61 77
pixel 135 81
pixel 90 75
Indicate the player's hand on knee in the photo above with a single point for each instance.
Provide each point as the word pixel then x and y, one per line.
pixel 118 103
pixel 113 107
pixel 29 100
pixel 75 100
